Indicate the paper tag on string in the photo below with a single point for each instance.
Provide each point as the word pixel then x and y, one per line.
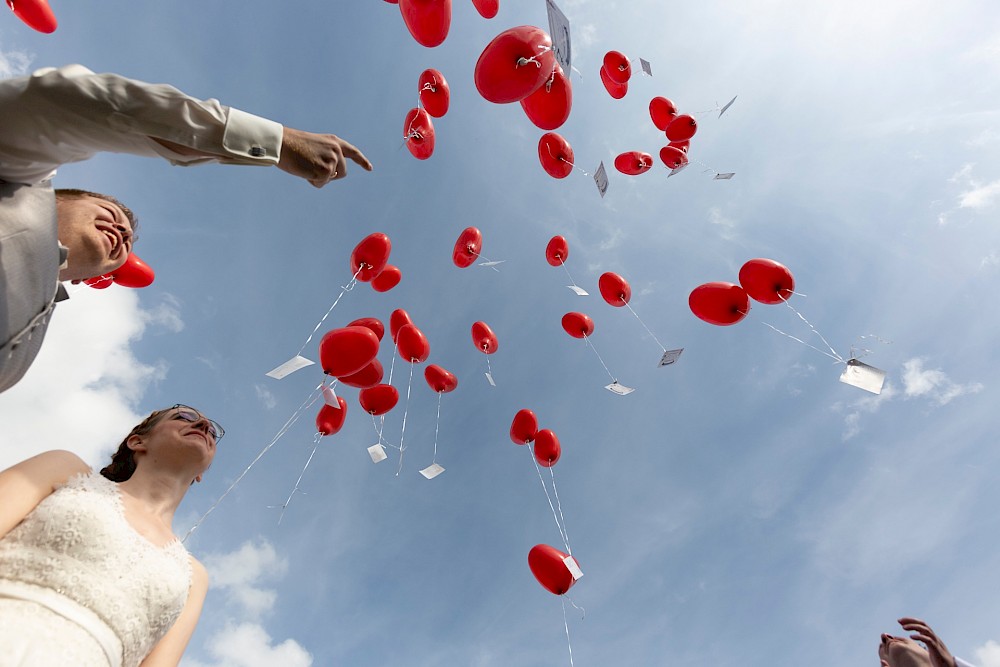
pixel 861 375
pixel 579 290
pixel 573 567
pixel 432 471
pixel 619 389
pixel 678 169
pixel 330 397
pixel 377 452
pixel 647 70
pixel 492 263
pixel 289 367
pixel 724 177
pixel 728 104
pixel 601 179
pixel 489 378
pixel 559 30
pixel 670 356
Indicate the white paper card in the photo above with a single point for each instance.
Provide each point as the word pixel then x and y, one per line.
pixel 489 378
pixel 573 567
pixel 289 367
pixel 579 290
pixel 330 398
pixel 601 179
pixel 646 67
pixel 559 30
pixel 493 263
pixel 619 389
pixel 669 357
pixel 863 376
pixel 724 177
pixel 728 104
pixel 377 452
pixel 678 170
pixel 432 471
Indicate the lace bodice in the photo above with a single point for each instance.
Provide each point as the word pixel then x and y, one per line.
pixel 78 543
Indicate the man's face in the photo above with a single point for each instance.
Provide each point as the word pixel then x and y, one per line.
pixel 902 652
pixel 97 233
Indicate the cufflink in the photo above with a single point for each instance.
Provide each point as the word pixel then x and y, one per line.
pixel 258 151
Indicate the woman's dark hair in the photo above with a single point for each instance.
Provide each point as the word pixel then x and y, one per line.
pixel 123 461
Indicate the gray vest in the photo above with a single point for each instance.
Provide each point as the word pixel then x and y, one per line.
pixel 29 274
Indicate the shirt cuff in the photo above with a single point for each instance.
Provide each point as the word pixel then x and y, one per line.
pixel 253 137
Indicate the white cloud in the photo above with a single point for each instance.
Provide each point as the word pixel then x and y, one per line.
pixel 933 384
pixel 166 315
pixel 265 396
pixel 243 641
pixel 727 225
pixel 238 573
pixel 988 655
pixel 984 138
pixel 864 405
pixel 14 63
pixel 992 259
pixel 86 379
pixel 980 196
pixel 612 241
pixel 249 645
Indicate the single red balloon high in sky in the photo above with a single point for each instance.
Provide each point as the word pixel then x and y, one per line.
pixel 467 247
pixel 427 20
pixel 719 303
pixel 555 154
pixel 370 255
pixel 767 281
pixel 418 131
pixel 548 564
pixel 435 94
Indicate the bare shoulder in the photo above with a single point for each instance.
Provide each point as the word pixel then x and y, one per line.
pixel 49 469
pixel 199 575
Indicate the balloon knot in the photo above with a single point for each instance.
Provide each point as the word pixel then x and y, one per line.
pixel 429 87
pixel 524 61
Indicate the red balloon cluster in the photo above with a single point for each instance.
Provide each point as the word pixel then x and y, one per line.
pixel 615 73
pixel 524 429
pixel 549 565
pixel 133 273
pixel 763 280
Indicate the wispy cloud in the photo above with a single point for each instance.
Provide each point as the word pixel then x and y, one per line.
pixel 14 63
pixel 865 405
pixel 265 396
pixel 727 226
pixel 85 375
pixel 988 655
pixel 933 384
pixel 243 641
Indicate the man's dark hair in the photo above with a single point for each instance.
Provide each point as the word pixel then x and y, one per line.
pixel 73 193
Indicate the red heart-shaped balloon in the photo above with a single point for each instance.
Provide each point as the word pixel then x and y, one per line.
pixel 548 564
pixel 435 94
pixel 719 303
pixel 483 338
pixel 330 419
pixel 427 20
pixel 578 325
pixel 412 344
pixel 547 449
pixel 439 379
pixel 346 351
pixel 615 289
pixel 514 65
pixel 467 247
pixel 555 154
pixel 524 427
pixel 557 250
pixel 767 281
pixel 379 399
pixel 370 255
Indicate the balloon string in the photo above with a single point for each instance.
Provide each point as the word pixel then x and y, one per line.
pixel 629 306
pixel 587 339
pixel 378 432
pixel 489 369
pixel 437 423
pixel 555 517
pixel 344 290
pixel 583 612
pixel 814 330
pixel 488 260
pixel 392 366
pixel 533 59
pixel 299 480
pixel 313 397
pixel 548 147
pixel 569 644
pixel 402 431
pixel 835 357
pixel 563 265
pixel 562 518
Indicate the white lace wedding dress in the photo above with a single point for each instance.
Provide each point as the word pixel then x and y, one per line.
pixel 80 587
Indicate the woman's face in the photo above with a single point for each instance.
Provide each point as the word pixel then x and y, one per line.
pixel 902 652
pixel 182 435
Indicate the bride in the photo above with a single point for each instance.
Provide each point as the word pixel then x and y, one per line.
pixel 91 573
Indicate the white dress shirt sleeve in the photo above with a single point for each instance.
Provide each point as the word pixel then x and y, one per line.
pixel 56 116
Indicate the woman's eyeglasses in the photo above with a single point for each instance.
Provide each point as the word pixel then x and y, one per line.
pixel 191 415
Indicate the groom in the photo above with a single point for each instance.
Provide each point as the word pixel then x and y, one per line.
pixel 57 116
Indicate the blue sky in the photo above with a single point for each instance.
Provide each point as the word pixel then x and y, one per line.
pixel 742 507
